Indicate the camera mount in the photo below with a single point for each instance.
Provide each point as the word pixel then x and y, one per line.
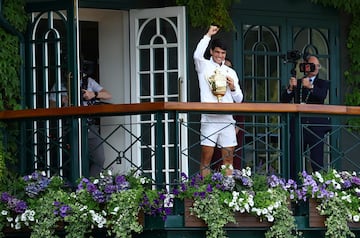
pixel 292 56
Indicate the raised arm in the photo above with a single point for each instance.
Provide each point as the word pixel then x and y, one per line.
pixel 202 45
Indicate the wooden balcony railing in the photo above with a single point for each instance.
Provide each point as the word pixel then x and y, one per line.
pixel 265 144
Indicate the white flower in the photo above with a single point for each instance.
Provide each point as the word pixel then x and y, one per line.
pixel 336 174
pixel 83 208
pixel 17 226
pixel 96 181
pixel 319 176
pixel 43 173
pixel 23 216
pixel 168 202
pixel 109 172
pixel 32 213
pixel 356 218
pixel 346 198
pixel 247 207
pixel 116 209
pixel 4 212
pixel 264 211
pixel 246 171
pixel 336 185
pixel 10 219
pixel 143 180
pixel 257 211
pixel 270 218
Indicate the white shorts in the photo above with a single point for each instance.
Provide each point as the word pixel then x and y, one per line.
pixel 220 133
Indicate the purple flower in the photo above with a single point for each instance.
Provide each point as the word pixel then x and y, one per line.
pixel 109 189
pixel 120 179
pixel 90 187
pixel 184 176
pixel 98 196
pixel 228 183
pixel 175 191
pixel 61 209
pixel 347 183
pixel 183 187
pixel 20 206
pixel 209 189
pixel 355 180
pixel 64 210
pixel 36 183
pixel 217 177
pixel 5 197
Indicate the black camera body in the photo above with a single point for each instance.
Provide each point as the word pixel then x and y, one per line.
pixel 293 56
pixel 307 67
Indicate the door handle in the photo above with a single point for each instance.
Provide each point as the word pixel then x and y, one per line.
pixel 69 76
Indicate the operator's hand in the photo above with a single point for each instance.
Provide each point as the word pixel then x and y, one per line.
pixel 306 83
pixel 88 95
pixel 292 83
pixel 213 30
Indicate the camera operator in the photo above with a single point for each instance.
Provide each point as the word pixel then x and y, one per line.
pixel 308 90
pixel 92 93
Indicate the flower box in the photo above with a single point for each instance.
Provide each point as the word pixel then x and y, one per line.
pixel 317 220
pixel 242 219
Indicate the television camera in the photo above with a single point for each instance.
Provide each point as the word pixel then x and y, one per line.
pixel 292 56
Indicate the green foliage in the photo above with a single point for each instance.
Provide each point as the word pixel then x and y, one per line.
pixel 203 13
pixel 10 60
pixel 337 218
pixel 352 75
pixel 284 222
pixel 124 209
pixel 10 67
pixel 216 199
pixel 346 5
pixel 216 217
pixel 46 220
pixel 2 163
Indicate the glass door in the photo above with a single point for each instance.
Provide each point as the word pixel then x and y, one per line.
pixel 52 68
pixel 159 75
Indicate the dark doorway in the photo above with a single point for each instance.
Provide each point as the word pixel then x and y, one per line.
pixel 89 47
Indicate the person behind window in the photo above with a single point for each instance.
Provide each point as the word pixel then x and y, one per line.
pixel 92 93
pixel 310 89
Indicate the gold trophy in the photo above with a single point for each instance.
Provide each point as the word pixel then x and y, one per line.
pixel 218 83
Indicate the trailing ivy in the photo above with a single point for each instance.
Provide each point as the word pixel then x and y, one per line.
pixel 202 13
pixel 10 60
pixel 352 74
pixel 10 66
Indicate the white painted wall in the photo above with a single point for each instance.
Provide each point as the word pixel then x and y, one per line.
pixel 114 73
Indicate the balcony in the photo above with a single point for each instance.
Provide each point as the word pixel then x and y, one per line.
pixel 163 139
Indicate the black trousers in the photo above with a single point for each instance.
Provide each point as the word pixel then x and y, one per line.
pixel 312 138
pixel 96 151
